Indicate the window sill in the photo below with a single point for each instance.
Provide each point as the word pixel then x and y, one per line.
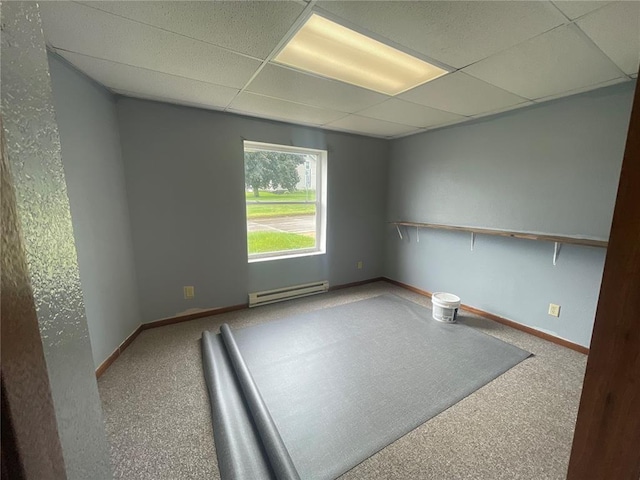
pixel 286 256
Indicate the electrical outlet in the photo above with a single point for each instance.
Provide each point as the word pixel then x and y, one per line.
pixel 359 265
pixel 554 310
pixel 189 292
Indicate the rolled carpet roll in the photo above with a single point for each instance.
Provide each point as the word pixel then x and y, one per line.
pixel 279 457
pixel 239 449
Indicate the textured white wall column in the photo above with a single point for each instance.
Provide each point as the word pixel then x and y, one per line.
pixel 33 149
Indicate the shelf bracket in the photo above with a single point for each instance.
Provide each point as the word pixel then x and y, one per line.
pixel 473 240
pixel 399 232
pixel 556 251
pixel 418 234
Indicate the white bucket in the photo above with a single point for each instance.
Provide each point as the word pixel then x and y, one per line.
pixel 445 307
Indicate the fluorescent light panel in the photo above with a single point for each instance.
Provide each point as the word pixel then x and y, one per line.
pixel 328 49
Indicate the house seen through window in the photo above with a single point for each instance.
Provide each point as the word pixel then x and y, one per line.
pixel 285 191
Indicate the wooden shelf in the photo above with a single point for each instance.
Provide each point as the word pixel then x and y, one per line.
pixel 589 242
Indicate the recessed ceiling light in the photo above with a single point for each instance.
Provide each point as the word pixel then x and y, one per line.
pixel 328 49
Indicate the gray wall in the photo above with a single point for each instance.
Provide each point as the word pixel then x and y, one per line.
pixel 549 168
pixel 90 140
pixel 184 170
pixel 33 149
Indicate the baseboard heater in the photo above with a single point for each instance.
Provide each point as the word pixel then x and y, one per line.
pixel 287 293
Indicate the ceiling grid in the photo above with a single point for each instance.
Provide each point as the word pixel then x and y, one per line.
pixel 220 55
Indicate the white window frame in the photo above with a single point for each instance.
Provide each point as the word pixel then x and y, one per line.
pixel 321 203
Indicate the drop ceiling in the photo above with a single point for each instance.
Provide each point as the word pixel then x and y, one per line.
pixel 219 55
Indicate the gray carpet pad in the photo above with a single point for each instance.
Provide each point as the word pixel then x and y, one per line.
pixel 313 395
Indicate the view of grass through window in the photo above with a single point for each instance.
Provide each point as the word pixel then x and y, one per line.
pixel 280 192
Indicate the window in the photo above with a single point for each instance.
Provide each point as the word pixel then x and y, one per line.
pixel 285 191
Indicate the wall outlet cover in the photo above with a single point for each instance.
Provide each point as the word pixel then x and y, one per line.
pixel 554 310
pixel 189 292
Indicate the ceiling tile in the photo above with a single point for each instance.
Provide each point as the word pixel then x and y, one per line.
pixel 252 28
pixel 371 126
pixel 77 28
pixel 616 30
pixel 171 101
pixel 553 63
pixel 280 82
pixel 608 83
pixel 462 94
pixel 505 109
pixel 276 109
pixel 576 8
pixel 394 110
pixel 157 85
pixel 456 33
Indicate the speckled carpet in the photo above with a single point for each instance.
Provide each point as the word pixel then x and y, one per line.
pixel 518 426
